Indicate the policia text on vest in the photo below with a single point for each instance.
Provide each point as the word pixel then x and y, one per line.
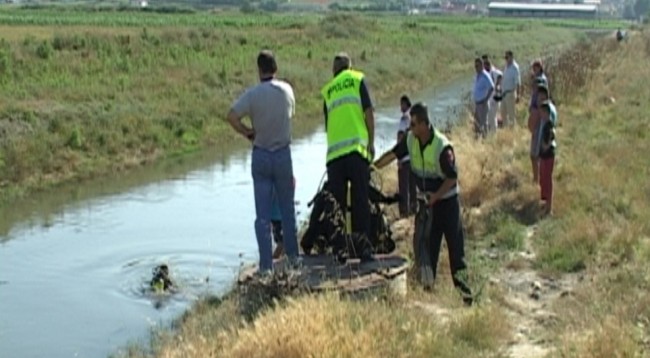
pixel 340 86
pixel 346 124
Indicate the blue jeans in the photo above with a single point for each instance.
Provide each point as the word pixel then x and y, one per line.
pixel 273 171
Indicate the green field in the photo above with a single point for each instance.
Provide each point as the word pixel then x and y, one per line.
pixel 117 17
pixel 85 93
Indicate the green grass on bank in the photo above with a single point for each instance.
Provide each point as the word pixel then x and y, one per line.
pixel 83 94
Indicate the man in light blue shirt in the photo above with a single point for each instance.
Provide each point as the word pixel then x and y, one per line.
pixel 483 89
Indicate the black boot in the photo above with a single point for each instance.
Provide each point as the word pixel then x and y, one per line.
pixel 362 247
pixel 341 258
pixel 468 300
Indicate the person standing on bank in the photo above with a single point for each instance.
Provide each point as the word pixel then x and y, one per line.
pixel 434 165
pixel 483 89
pixel 538 79
pixel 511 90
pixel 406 179
pixel 546 155
pixel 270 106
pixel 544 96
pixel 496 75
pixel 350 126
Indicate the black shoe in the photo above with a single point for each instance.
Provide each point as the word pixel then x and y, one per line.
pixel 307 250
pixel 341 258
pixel 468 301
pixel 366 256
pixel 361 247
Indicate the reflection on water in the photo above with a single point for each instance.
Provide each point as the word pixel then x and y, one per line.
pixel 73 263
pixel 45 209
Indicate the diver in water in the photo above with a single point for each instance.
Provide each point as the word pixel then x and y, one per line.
pixel 161 282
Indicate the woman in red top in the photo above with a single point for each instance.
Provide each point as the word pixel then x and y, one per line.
pixel 546 156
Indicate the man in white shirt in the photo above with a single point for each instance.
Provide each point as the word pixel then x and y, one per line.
pixel 406 179
pixel 483 90
pixel 496 76
pixel 511 90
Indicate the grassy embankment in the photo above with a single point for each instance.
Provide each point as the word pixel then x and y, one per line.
pixel 598 241
pixel 596 247
pixel 84 94
pixel 604 202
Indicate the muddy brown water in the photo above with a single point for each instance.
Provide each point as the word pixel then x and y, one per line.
pixel 74 262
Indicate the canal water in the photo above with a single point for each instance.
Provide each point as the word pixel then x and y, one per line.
pixel 74 263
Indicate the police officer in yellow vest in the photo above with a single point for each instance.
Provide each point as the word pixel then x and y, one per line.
pixel 433 163
pixel 349 122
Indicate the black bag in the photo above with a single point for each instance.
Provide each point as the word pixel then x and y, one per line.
pixel 326 229
pixel 326 232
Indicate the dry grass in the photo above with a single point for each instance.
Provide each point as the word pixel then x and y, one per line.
pixel 326 326
pixel 611 338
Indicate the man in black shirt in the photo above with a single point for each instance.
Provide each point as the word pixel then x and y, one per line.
pixel 433 163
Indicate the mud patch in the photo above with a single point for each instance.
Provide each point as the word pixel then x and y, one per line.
pixel 528 299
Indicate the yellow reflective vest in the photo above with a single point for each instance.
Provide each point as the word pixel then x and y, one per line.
pixel 346 124
pixel 426 163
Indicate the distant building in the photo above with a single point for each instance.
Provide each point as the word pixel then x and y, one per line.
pixel 302 7
pixel 513 9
